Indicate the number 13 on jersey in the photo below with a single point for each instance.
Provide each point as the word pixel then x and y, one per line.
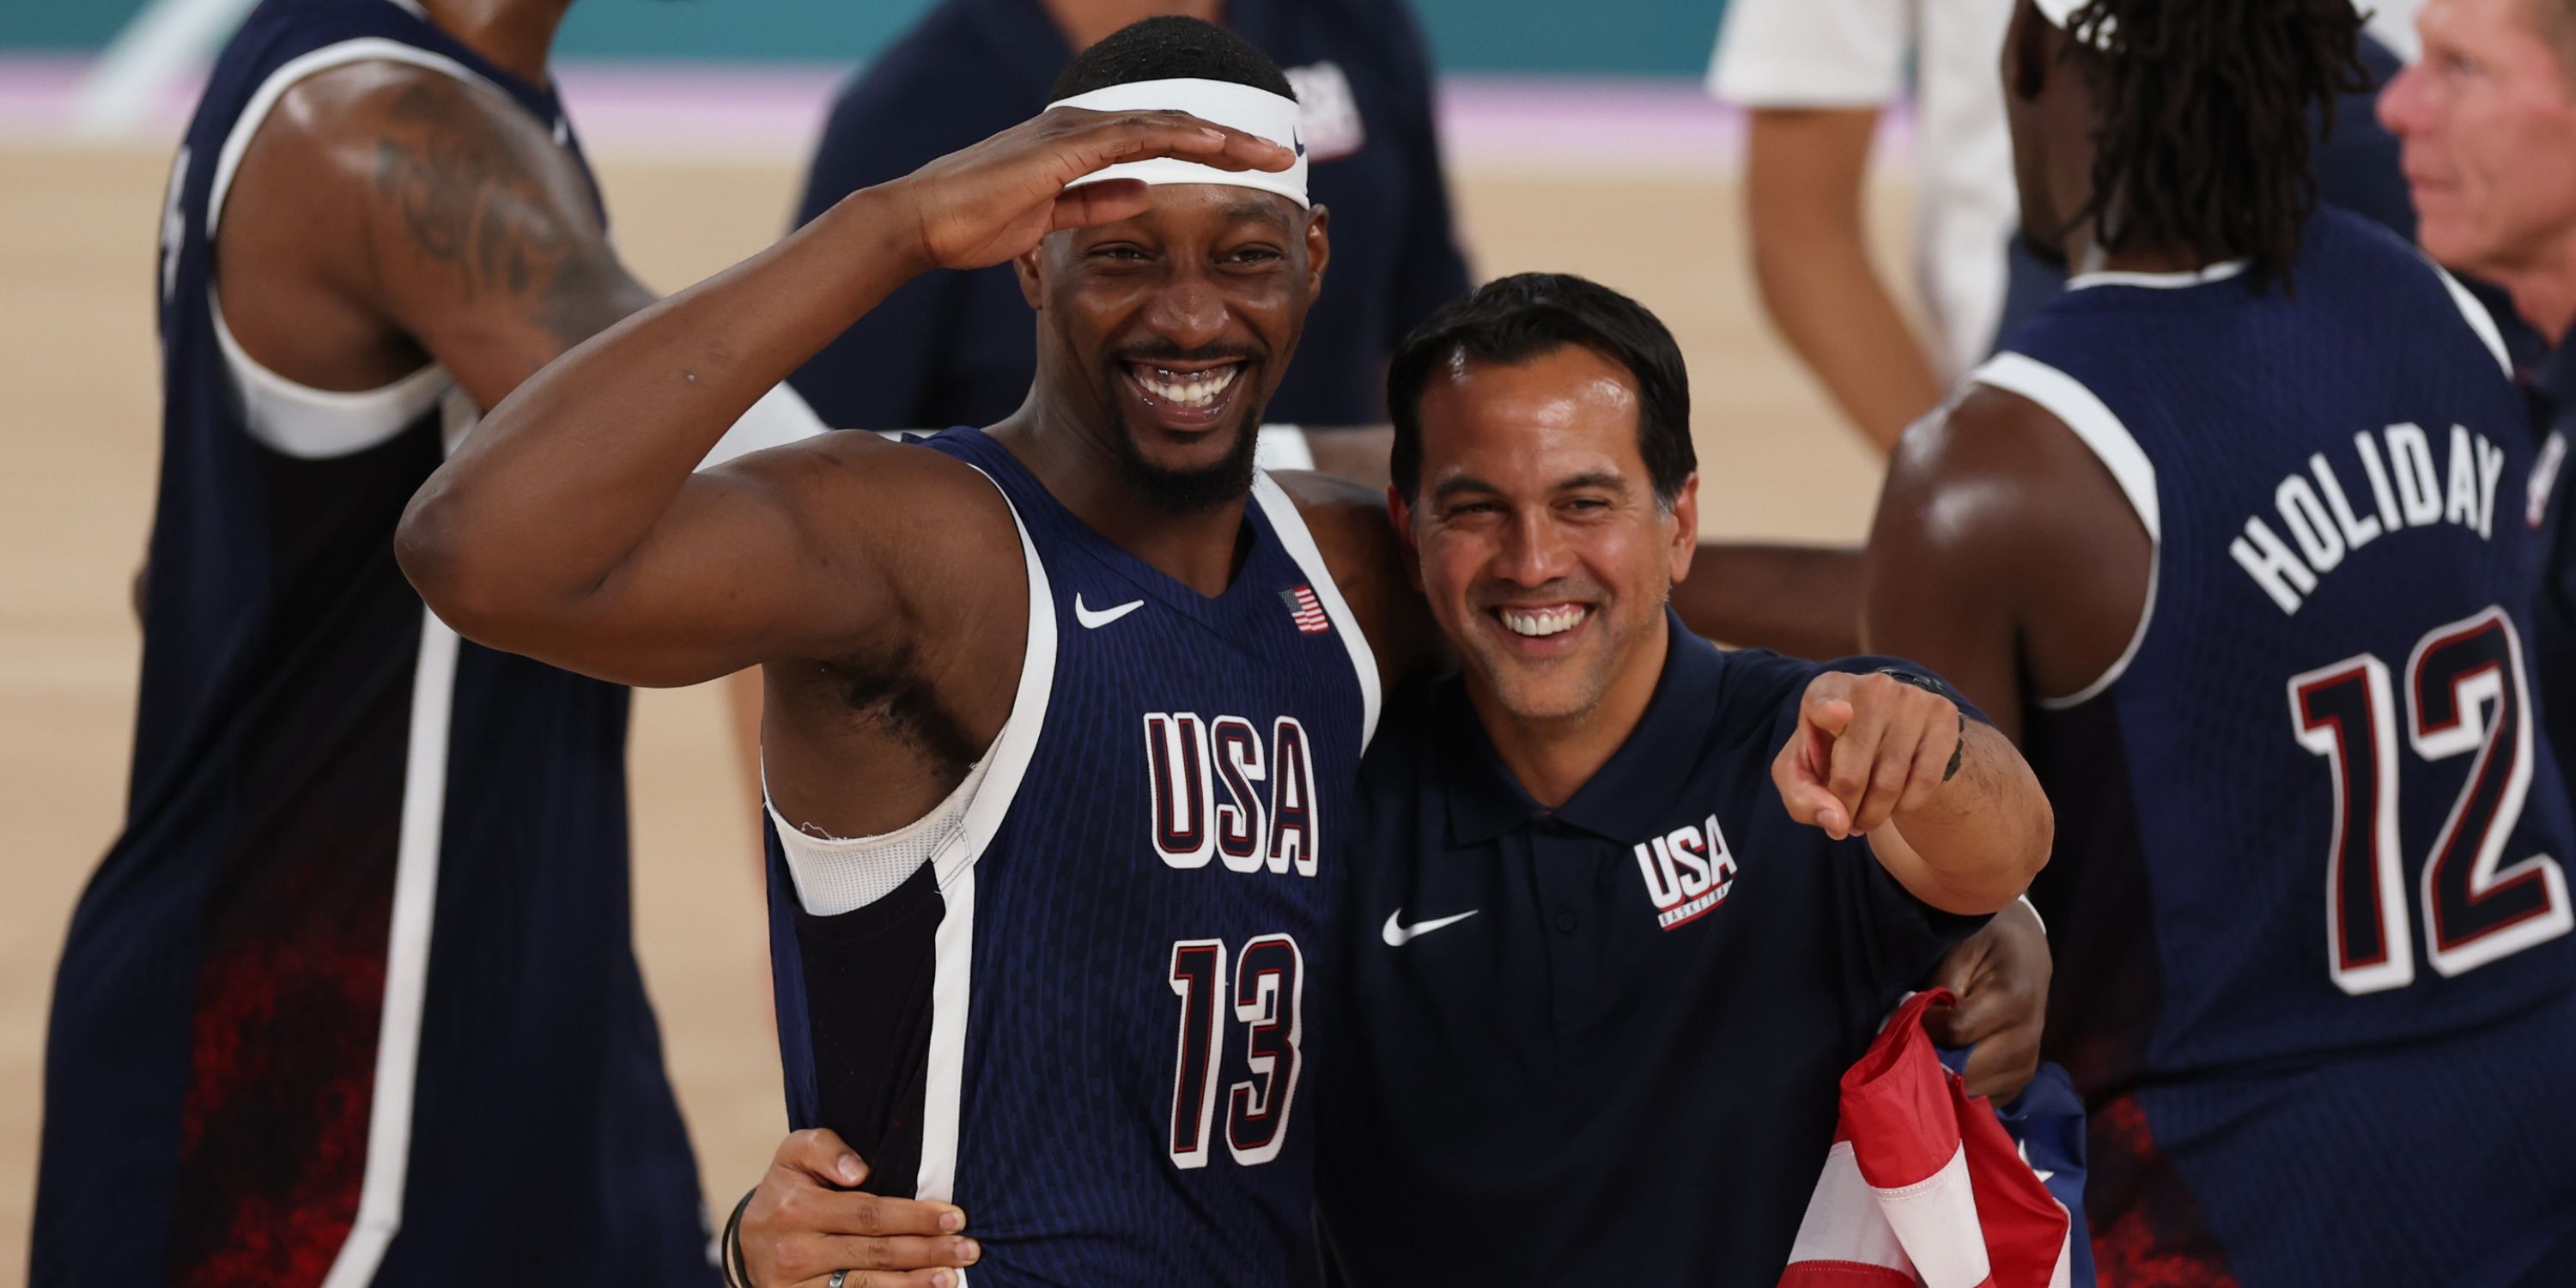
pixel 2465 692
pixel 1266 995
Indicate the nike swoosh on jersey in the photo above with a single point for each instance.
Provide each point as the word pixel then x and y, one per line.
pixel 1094 619
pixel 1397 934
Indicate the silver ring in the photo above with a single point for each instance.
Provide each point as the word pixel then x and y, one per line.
pixel 839 1278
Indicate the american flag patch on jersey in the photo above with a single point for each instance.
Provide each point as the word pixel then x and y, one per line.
pixel 1306 609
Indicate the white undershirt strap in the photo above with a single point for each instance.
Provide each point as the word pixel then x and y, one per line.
pixel 834 875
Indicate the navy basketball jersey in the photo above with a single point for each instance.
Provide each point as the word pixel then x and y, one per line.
pixel 352 999
pixel 1072 999
pixel 2314 973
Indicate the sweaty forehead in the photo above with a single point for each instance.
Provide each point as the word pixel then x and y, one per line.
pixel 1568 410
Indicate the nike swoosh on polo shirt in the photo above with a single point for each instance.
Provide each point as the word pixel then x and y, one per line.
pixel 1397 935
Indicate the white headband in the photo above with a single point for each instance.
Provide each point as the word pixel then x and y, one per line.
pixel 2062 12
pixel 1256 112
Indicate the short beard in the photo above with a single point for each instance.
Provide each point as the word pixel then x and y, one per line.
pixel 1182 493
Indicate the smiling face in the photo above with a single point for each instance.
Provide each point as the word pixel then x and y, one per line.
pixel 2485 119
pixel 1166 333
pixel 1543 550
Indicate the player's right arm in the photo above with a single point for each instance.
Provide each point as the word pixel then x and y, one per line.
pixel 570 527
pixel 1803 176
pixel 1813 76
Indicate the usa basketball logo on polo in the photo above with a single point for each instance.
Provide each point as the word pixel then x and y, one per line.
pixel 1688 872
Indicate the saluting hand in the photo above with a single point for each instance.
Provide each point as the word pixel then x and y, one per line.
pixel 1866 747
pixel 992 202
pixel 805 1222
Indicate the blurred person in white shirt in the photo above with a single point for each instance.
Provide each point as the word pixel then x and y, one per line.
pixel 1817 75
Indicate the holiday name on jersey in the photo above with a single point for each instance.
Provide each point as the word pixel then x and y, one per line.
pixel 1206 781
pixel 2399 482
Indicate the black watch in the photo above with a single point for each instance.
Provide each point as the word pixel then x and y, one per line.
pixel 1930 685
pixel 1916 678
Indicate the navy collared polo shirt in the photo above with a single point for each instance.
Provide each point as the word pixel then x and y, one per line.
pixel 952 348
pixel 1602 1043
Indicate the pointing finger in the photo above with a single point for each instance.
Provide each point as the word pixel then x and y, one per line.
pixel 1855 757
pixel 1803 794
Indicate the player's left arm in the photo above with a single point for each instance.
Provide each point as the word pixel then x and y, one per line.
pixel 482 241
pixel 1983 505
pixel 1800 600
pixel 1949 806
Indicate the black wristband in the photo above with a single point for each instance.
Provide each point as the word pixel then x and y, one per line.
pixel 737 1268
pixel 1930 685
pixel 1915 678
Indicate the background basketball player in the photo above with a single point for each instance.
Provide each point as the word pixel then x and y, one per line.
pixel 2228 533
pixel 359 966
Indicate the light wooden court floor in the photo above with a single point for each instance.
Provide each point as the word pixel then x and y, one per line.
pixel 78 453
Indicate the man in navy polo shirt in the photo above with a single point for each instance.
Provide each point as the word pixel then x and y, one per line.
pixel 958 349
pixel 1625 906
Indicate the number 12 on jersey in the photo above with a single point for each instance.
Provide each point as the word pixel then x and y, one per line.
pixel 1267 996
pixel 2465 692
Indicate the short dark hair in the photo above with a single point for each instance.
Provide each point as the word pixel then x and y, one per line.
pixel 1170 48
pixel 1515 319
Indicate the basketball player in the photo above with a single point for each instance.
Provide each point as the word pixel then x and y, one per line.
pixel 955 349
pixel 352 999
pixel 1815 76
pixel 2228 535
pixel 1052 966
pixel 983 960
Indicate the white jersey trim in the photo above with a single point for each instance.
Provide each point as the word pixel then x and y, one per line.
pixel 2475 314
pixel 416 859
pixel 294 418
pixel 943 1092
pixel 833 875
pixel 1300 545
pixel 2218 272
pixel 317 424
pixel 2075 406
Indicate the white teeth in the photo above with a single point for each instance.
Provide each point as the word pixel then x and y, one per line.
pixel 1544 621
pixel 1185 388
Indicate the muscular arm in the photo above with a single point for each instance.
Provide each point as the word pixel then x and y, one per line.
pixel 2003 557
pixel 571 528
pixel 387 216
pixel 1800 600
pixel 1803 193
pixel 426 220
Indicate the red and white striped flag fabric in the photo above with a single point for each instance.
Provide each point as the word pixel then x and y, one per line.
pixel 1306 609
pixel 1924 1187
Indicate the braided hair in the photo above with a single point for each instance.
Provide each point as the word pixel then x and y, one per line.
pixel 2205 110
